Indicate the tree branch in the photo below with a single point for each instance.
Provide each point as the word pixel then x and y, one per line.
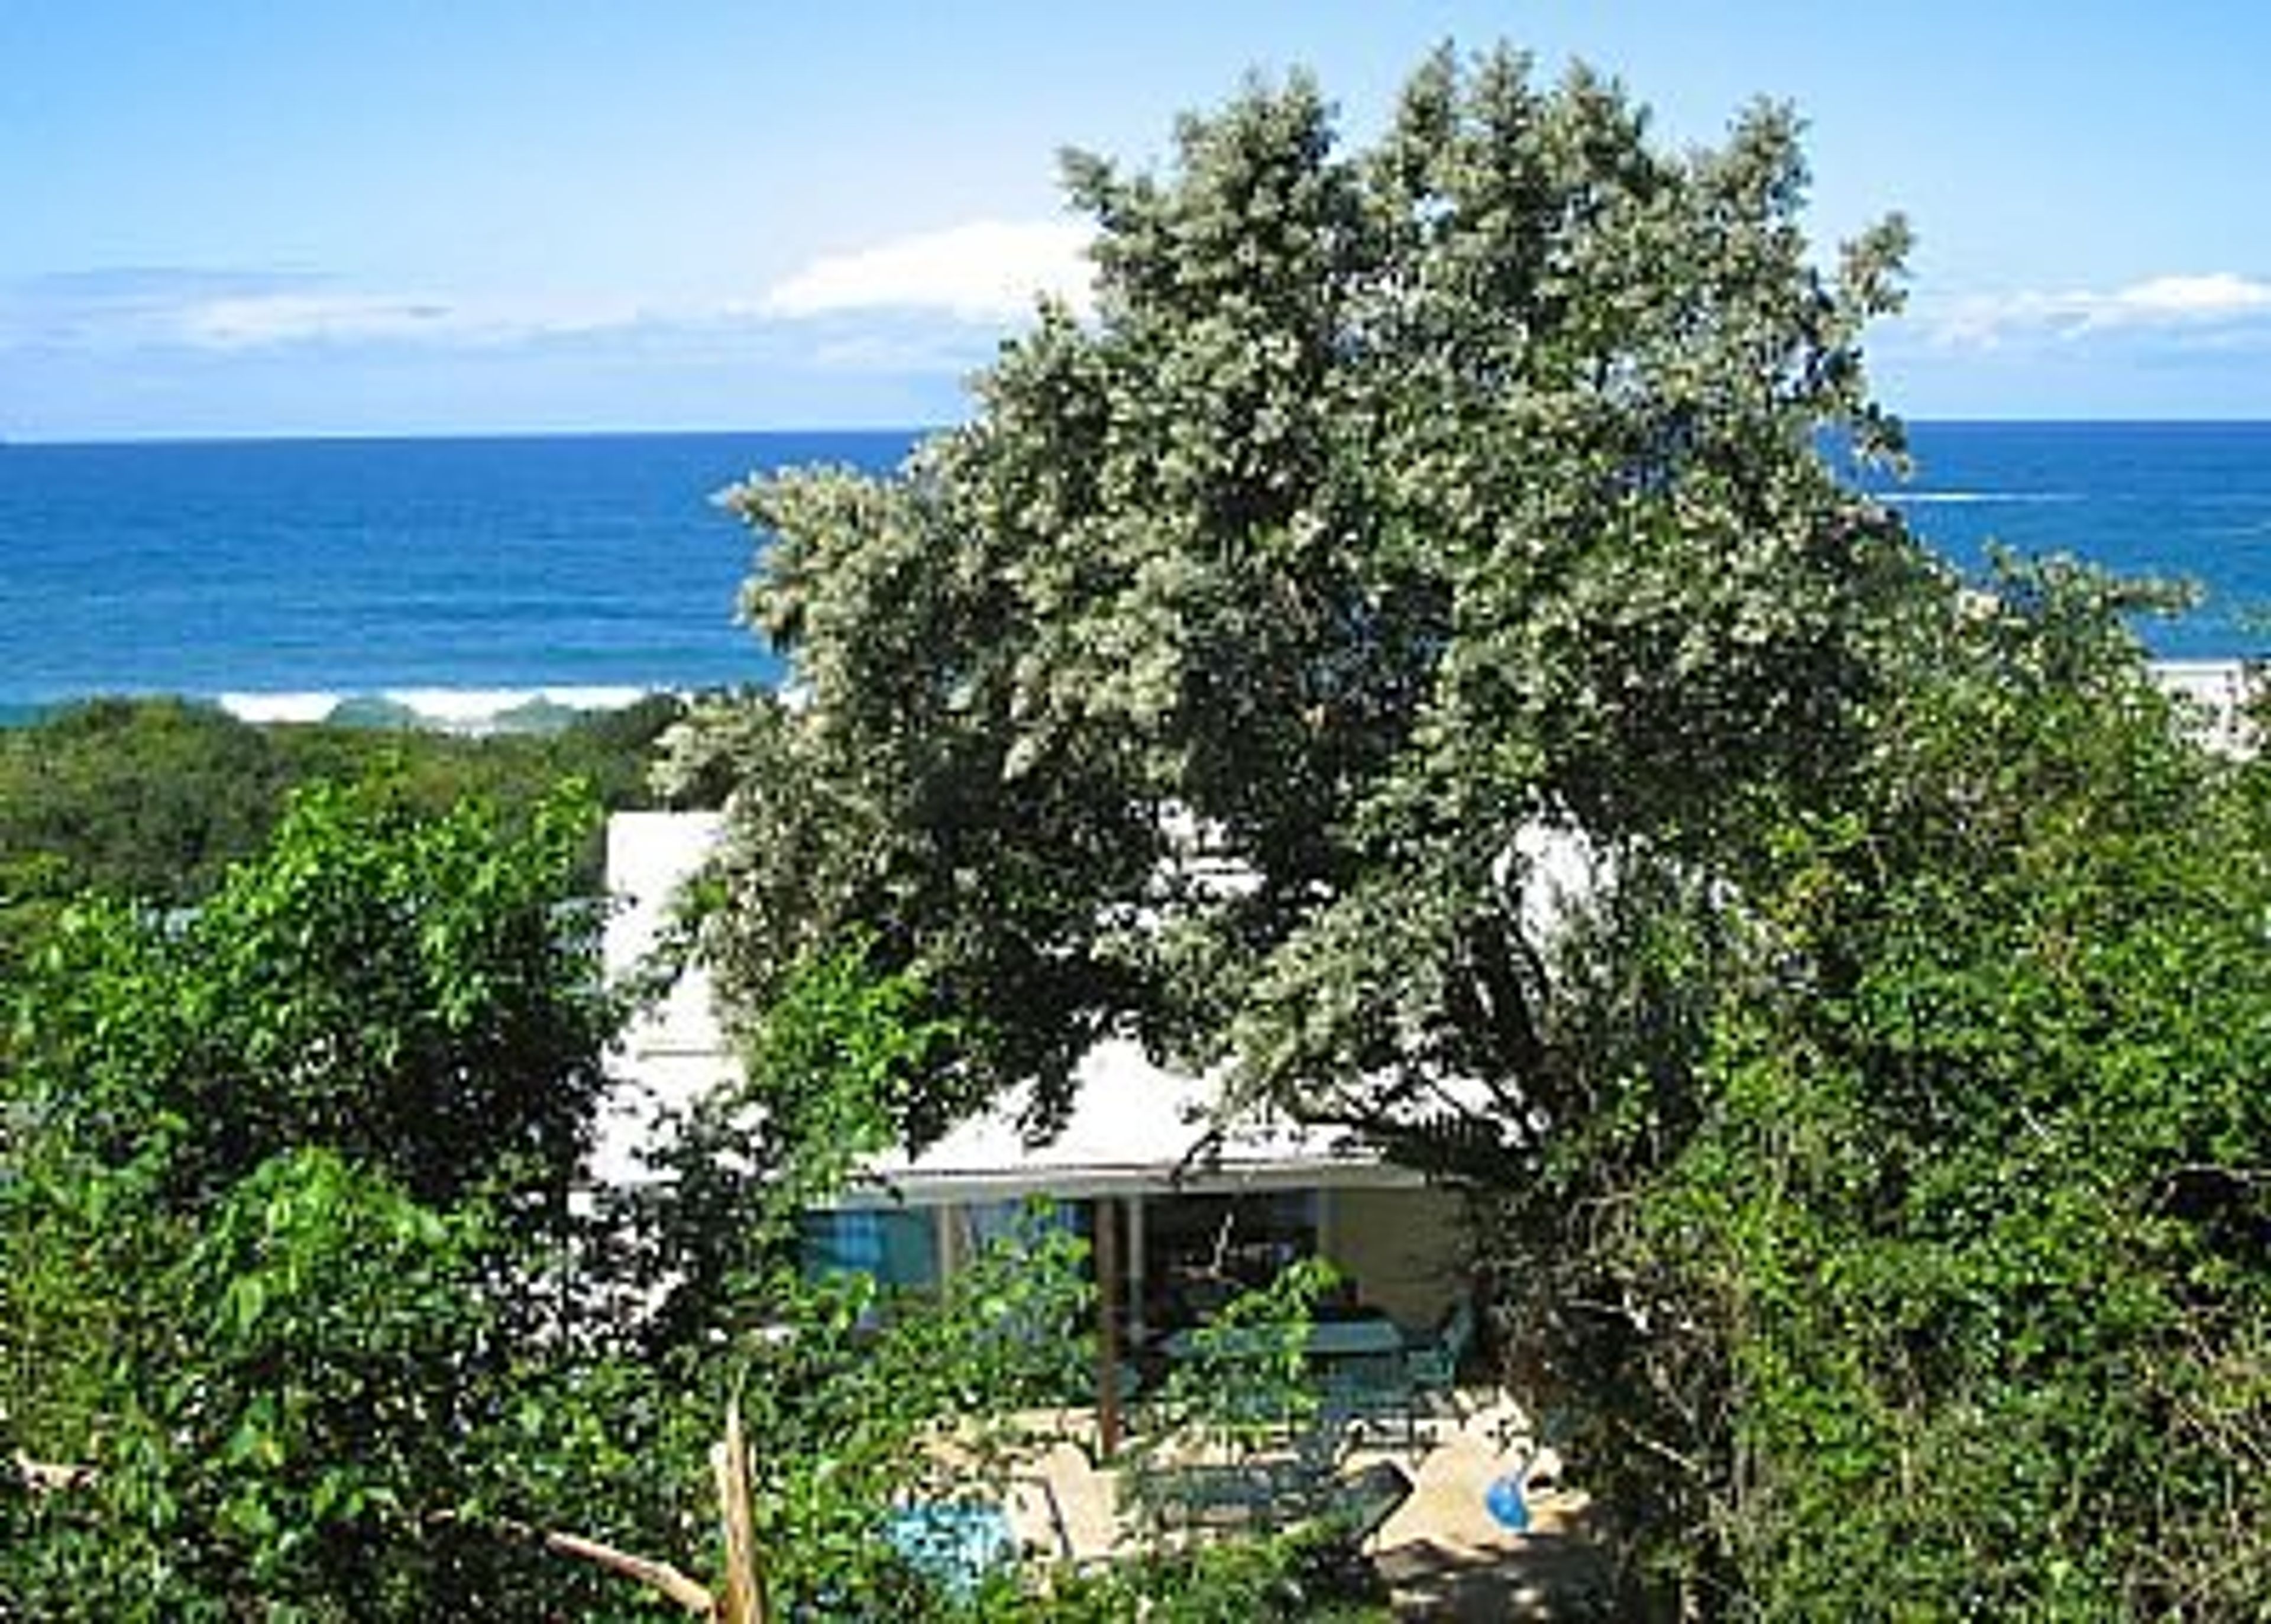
pixel 661 1577
pixel 51 1476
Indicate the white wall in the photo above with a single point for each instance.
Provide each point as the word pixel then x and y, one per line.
pixel 1403 1247
pixel 675 1054
pixel 2221 689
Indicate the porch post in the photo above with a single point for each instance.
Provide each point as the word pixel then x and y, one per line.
pixel 947 1216
pixel 1107 1329
pixel 1133 1206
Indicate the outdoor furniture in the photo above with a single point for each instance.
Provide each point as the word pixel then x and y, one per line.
pixel 1432 1362
pixel 1358 1367
pixel 1270 1488
pixel 1370 1392
pixel 1325 1342
pixel 1275 1493
pixel 1360 1505
pixel 955 1545
pixel 1194 1496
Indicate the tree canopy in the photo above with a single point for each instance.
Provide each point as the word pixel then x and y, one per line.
pixel 1392 502
pixel 152 798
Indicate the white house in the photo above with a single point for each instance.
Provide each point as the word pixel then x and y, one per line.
pixel 2221 693
pixel 1179 1213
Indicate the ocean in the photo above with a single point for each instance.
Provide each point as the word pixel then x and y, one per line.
pixel 458 580
pixel 2188 501
pixel 454 579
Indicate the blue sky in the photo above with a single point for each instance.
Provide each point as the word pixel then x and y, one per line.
pixel 391 216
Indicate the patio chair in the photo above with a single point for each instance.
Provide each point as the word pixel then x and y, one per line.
pixel 1361 1504
pixel 1432 1363
pixel 1371 1393
pixel 1195 1497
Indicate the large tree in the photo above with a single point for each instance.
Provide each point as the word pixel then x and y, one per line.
pixel 1392 502
pixel 1414 646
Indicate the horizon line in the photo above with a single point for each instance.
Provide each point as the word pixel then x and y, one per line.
pixel 921 430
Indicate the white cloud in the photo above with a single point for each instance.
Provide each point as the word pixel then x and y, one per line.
pixel 987 271
pixel 912 304
pixel 257 321
pixel 2220 293
pixel 952 351
pixel 156 309
pixel 2162 303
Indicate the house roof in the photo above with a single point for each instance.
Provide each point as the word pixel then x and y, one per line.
pixel 1135 1126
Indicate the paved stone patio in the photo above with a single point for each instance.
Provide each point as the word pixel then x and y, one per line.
pixel 1442 1554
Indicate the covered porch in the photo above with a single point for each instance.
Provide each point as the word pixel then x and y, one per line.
pixel 1180 1219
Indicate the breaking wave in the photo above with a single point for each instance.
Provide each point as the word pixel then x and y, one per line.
pixel 438 710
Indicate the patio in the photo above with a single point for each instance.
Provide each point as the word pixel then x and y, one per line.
pixel 1442 1554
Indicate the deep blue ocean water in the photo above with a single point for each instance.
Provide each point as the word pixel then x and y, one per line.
pixel 288 576
pixel 2175 500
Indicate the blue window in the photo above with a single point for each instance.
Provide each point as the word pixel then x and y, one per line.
pixel 989 1222
pixel 897 1246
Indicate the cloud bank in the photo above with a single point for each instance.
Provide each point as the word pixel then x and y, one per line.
pixel 989 270
pixel 259 321
pixel 147 309
pixel 2217 301
pixel 910 294
pixel 888 334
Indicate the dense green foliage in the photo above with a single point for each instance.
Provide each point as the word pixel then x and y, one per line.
pixel 1935 1280
pixel 1413 649
pixel 152 798
pixel 285 1193
pixel 297 1311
